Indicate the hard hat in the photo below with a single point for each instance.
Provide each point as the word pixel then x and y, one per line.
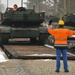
pixel 61 22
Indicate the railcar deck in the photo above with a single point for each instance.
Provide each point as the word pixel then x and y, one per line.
pixel 31 52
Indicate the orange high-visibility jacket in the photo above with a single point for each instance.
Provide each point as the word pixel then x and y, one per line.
pixel 60 35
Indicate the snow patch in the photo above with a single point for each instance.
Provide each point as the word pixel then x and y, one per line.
pixel 2 58
pixel 49 46
pixel 41 55
pixel 47 60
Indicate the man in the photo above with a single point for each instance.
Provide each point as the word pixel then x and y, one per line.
pixel 60 35
pixel 15 7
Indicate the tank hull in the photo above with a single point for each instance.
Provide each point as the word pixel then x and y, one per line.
pixel 7 32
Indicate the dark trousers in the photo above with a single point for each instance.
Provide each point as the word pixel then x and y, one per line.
pixel 64 56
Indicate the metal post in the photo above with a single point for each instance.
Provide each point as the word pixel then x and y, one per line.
pixel 0 1
pixel 34 7
pixel 7 3
pixel 64 6
pixel 21 3
pixel 39 6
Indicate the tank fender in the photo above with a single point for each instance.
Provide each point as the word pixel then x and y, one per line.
pixel 4 30
pixel 43 30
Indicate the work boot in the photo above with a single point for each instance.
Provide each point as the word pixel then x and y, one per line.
pixel 57 71
pixel 66 71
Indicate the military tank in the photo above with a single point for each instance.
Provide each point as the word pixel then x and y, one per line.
pixel 23 23
pixel 69 19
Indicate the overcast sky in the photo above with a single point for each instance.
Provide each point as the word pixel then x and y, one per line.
pixel 12 2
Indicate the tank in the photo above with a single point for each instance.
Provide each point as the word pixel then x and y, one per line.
pixel 69 20
pixel 23 23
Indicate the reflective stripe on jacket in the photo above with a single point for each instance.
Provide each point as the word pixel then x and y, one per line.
pixel 60 35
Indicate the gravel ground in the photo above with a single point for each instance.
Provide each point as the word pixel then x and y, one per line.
pixel 34 67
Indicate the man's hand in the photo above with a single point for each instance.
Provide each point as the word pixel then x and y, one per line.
pixel 50 26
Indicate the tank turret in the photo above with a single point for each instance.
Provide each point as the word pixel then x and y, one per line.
pixel 69 19
pixel 22 16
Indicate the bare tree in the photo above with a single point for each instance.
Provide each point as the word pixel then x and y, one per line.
pixel 53 7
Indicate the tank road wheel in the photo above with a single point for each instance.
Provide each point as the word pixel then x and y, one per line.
pixel 43 37
pixel 32 40
pixel 4 38
pixel 50 40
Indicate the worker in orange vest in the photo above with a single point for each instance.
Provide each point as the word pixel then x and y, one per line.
pixel 60 35
pixel 15 7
